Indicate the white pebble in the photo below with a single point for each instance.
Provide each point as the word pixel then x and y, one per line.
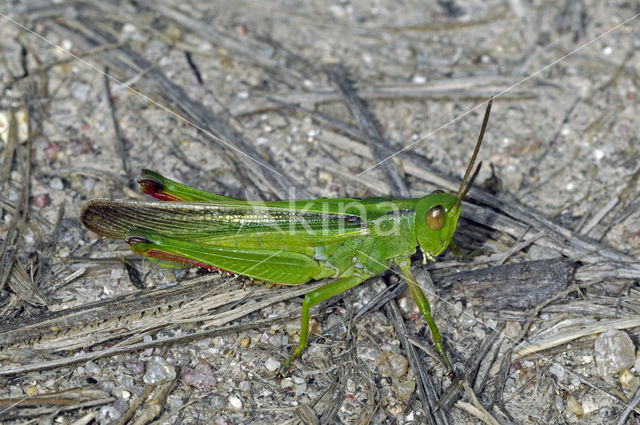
pixel 235 402
pixel 574 407
pixel 614 351
pixel 588 406
pixel 271 364
pixel 158 370
pixel 56 183
pixel 557 370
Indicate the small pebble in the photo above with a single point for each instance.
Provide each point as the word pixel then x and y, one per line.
pixel 80 91
pixel 201 376
pixel 121 405
pixel 271 364
pixel 204 342
pixel 467 319
pixel 108 414
pixel 52 151
pixel 41 201
pixel 216 402
pixel 13 195
pixel 456 309
pixel 158 370
pixel 288 383
pixel 89 184
pixel 392 365
pixel 4 126
pixel 81 146
pixel 479 333
pixel 351 386
pixel 574 407
pixel 235 402
pixel 244 342
pixel 589 405
pixel 629 381
pixel 30 390
pixel 405 389
pixel 557 400
pixel 148 351
pixel 557 370
pixel 117 273
pixel 300 389
pixel 614 351
pixel 174 402
pixel 56 183
pixel 92 368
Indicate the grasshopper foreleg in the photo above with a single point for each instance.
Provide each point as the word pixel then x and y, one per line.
pixel 425 309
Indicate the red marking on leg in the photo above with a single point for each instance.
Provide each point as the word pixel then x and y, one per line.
pixel 168 256
pixel 155 189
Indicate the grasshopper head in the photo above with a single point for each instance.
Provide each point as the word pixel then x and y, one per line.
pixel 437 214
pixel 436 220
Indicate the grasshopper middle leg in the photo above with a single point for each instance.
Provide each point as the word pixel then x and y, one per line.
pixel 316 297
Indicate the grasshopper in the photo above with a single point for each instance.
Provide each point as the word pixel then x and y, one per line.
pixel 287 242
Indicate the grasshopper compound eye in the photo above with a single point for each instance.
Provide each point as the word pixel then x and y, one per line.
pixel 436 217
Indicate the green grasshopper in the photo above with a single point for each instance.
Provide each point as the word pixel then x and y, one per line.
pixel 287 242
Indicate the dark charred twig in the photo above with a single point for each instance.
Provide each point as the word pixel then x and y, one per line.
pixel 135 404
pixel 368 127
pixel 163 88
pixel 193 67
pixel 629 407
pixel 121 147
pixel 13 239
pixel 251 48
pixel 53 403
pixel 480 368
pixel 336 397
pixel 6 252
pixel 424 385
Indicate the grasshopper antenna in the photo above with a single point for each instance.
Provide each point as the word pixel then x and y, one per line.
pixel 464 188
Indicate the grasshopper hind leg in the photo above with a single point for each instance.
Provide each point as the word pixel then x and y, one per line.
pixel 165 264
pixel 142 246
